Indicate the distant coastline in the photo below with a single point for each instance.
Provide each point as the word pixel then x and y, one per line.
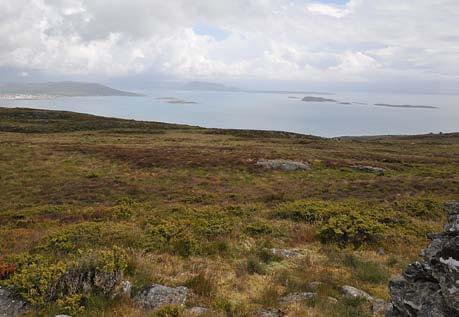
pixel 50 90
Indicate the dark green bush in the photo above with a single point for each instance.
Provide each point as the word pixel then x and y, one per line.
pixel 356 227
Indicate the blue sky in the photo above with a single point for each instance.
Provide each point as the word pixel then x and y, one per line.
pixel 209 30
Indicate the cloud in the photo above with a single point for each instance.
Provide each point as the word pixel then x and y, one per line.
pixel 328 10
pixel 361 40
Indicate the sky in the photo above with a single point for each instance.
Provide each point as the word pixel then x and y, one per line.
pixel 403 45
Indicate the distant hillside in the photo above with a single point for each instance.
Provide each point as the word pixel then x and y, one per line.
pixel 65 89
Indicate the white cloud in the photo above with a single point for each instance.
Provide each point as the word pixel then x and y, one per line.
pixel 275 39
pixel 329 10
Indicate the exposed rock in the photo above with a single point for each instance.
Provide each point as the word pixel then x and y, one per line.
pixel 285 253
pixel 352 292
pixel 379 306
pixel 430 287
pixel 156 296
pixel 297 297
pixel 9 306
pixel 369 169
pixel 62 316
pixel 270 313
pixel 196 311
pixel 285 165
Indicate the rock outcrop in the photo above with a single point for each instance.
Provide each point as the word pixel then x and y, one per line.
pixel 156 296
pixel 10 306
pixel 285 253
pixel 379 306
pixel 369 169
pixel 285 165
pixel 430 287
pixel 297 297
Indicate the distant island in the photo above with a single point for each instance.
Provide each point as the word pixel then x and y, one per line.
pixel 58 89
pixel 321 99
pixel 175 100
pixel 317 99
pixel 404 106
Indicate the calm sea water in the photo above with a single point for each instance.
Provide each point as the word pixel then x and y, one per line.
pixel 264 111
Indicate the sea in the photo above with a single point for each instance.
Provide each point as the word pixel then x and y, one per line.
pixel 354 115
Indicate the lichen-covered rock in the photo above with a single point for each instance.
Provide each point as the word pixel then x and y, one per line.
pixel 156 296
pixel 285 253
pixel 10 306
pixel 369 169
pixel 297 297
pixel 379 307
pixel 353 293
pixel 285 165
pixel 430 287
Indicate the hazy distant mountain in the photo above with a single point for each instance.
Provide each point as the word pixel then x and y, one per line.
pixel 64 89
pixel 200 85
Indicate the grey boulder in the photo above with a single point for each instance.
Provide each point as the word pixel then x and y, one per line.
pixel 9 306
pixel 156 296
pixel 285 165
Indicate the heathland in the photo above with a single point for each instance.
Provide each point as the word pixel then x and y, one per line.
pixel 178 205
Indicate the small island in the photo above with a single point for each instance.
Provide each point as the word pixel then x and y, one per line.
pixel 174 100
pixel 317 99
pixel 404 106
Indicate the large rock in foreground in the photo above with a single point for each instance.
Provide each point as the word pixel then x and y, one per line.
pixel 9 306
pixel 430 287
pixel 157 296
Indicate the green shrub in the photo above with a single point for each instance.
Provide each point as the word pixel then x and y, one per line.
pixel 34 278
pixel 310 211
pixel 356 227
pixel 190 231
pixel 425 207
pixel 88 234
pixel 40 281
pixel 71 304
pixel 259 228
